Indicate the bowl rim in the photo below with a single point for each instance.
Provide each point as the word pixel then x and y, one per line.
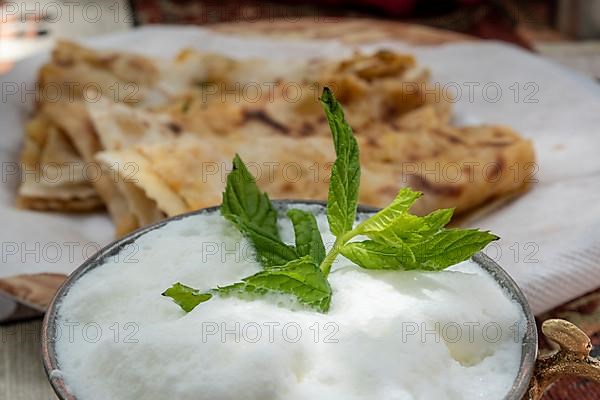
pixel 50 361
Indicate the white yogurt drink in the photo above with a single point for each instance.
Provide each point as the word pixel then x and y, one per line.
pixel 389 335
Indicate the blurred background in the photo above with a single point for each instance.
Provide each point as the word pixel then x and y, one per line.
pixel 565 30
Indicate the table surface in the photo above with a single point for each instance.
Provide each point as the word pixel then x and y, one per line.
pixel 22 375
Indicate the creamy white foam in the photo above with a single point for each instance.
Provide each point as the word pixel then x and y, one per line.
pixel 389 335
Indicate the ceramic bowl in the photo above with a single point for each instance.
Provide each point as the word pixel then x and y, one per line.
pixel 49 329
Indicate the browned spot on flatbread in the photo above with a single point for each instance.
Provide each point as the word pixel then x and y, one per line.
pixel 496 144
pixel 306 129
pixel 262 116
pixel 287 186
pixel 174 127
pixel 64 62
pixel 493 171
pixel 107 59
pixel 449 137
pixel 421 183
pixel 371 141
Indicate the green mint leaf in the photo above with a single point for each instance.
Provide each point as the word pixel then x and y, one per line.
pixel 308 236
pixel 345 173
pixel 243 199
pixel 395 225
pixel 437 219
pixel 186 297
pixel 408 228
pixel 450 246
pixel 373 255
pixel 300 278
pixel 270 250
pixel 397 208
pixel 433 253
pixel 251 211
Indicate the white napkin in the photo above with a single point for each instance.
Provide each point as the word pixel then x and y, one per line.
pixel 550 236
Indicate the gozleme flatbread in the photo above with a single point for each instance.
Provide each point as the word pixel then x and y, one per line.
pixel 233 114
pixel 118 127
pixel 53 174
pixel 165 148
pixel 164 199
pixel 73 119
pixel 485 162
pixel 213 73
pixel 141 206
pixel 79 122
pixel 463 168
pixel 382 88
pixel 76 72
pixel 457 167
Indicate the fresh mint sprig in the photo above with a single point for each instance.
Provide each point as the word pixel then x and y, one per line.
pixel 397 240
pixel 251 211
pixel 342 200
pixel 308 236
pixel 403 241
pixel 243 201
pixel 287 269
pixel 300 278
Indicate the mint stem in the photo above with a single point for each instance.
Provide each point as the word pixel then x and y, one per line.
pixel 330 257
pixel 335 250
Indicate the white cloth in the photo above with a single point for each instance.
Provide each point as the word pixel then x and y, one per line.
pixel 550 236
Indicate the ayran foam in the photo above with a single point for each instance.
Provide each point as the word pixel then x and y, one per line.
pixel 389 335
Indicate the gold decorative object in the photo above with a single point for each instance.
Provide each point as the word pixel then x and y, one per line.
pixel 573 358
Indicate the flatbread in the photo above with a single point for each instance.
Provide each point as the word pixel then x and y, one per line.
pixel 214 73
pixel 194 168
pixel 53 176
pixel 165 200
pixel 75 72
pixel 51 202
pixel 381 88
pixel 118 126
pixel 167 149
pixel 143 207
pixel 464 168
pixel 73 119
